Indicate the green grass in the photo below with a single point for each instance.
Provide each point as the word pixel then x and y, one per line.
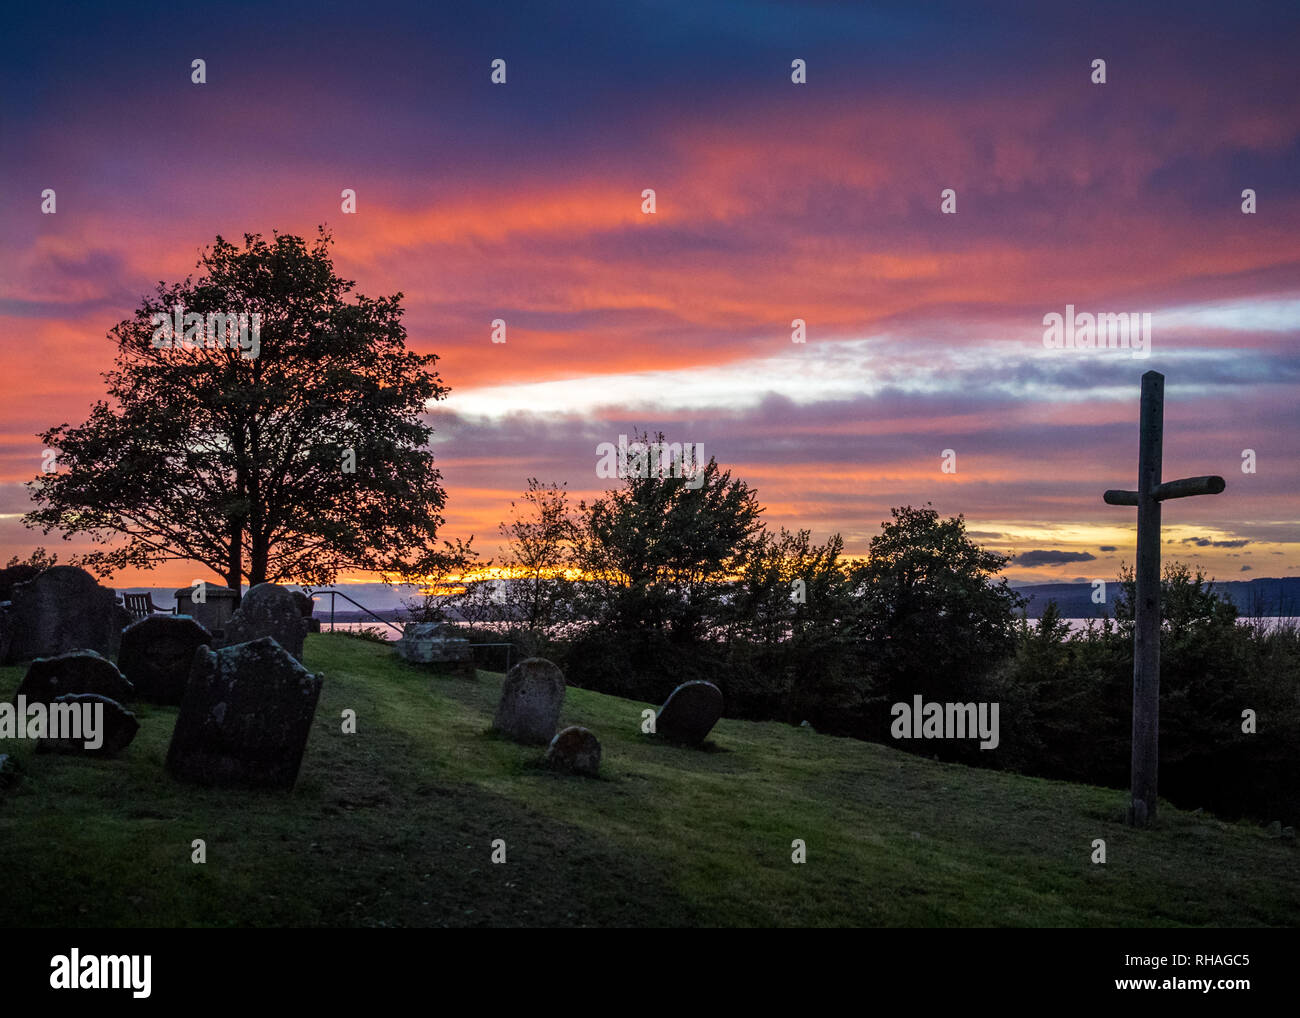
pixel 393 826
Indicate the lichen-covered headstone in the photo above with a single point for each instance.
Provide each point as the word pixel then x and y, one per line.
pixel 62 609
pixel 576 750
pixel 245 717
pixel 79 671
pixel 689 713
pixel 115 726
pixel 268 610
pixel 157 653
pixel 531 698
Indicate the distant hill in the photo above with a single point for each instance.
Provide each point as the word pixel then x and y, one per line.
pixel 1270 596
pixel 1264 596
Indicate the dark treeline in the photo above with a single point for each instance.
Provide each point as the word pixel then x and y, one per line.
pixel 667 579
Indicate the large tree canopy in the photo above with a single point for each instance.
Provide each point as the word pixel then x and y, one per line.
pixel 308 458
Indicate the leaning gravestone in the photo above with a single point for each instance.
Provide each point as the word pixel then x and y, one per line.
pixel 531 698
pixel 268 610
pixel 59 610
pixel 576 750
pixel 245 717
pixel 435 643
pixel 690 712
pixel 117 726
pixel 157 653
pixel 79 671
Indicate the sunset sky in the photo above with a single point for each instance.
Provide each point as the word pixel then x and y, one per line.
pixel 775 201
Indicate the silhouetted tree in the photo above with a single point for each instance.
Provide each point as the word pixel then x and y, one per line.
pixel 656 555
pixel 786 614
pixel 657 549
pixel 290 459
pixel 933 620
pixel 529 595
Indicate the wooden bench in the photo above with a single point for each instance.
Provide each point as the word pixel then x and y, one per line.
pixel 141 606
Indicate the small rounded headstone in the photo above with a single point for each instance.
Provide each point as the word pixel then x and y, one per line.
pixel 116 730
pixel 690 712
pixel 157 653
pixel 531 698
pixel 576 750
pixel 78 671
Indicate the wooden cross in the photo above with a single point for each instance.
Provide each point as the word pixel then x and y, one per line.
pixel 1146 629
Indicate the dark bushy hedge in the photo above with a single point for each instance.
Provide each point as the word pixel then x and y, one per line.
pixel 1067 712
pixel 1065 699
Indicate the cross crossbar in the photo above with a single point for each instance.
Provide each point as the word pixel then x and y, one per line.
pixel 1209 485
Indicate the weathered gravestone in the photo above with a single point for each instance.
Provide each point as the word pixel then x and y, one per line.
pixel 245 717
pixel 209 605
pixel 157 653
pixel 79 671
pixel 121 619
pixel 576 750
pixel 435 643
pixel 690 712
pixel 62 609
pixel 116 726
pixel 268 610
pixel 531 698
pixel 307 604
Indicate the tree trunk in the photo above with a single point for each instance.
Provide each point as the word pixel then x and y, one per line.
pixel 257 541
pixel 260 554
pixel 234 562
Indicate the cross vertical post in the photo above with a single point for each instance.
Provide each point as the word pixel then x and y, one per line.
pixel 1145 760
pixel 1151 491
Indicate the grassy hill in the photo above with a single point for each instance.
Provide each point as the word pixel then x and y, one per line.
pixel 393 826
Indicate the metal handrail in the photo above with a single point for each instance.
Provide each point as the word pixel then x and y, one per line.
pixel 313 594
pixel 510 648
pixel 338 593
